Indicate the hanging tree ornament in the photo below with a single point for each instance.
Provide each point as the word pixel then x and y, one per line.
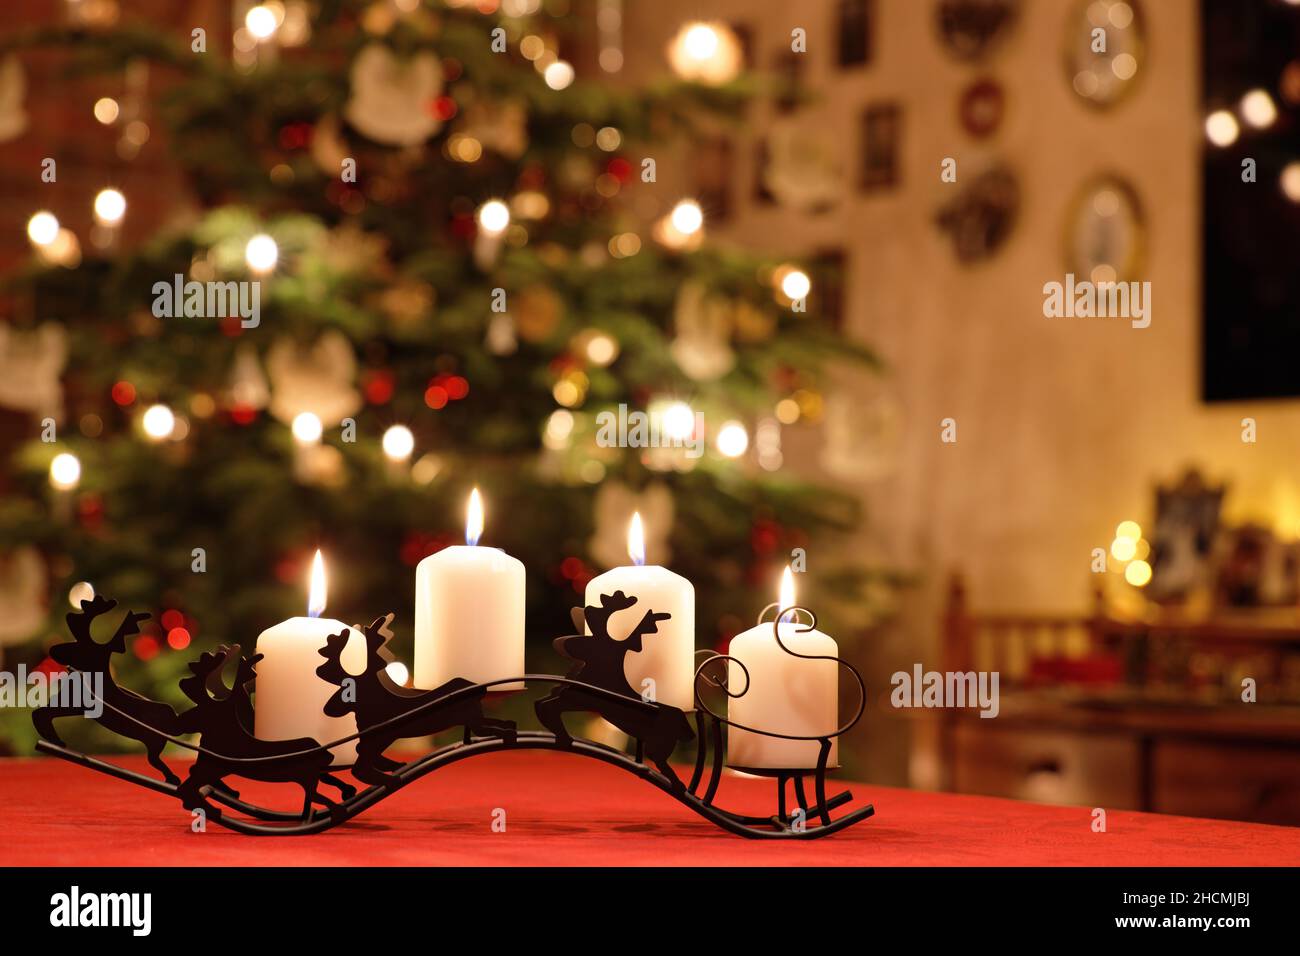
pixel 614 506
pixel 702 348
pixel 318 378
pixel 13 91
pixel 247 387
pixel 31 364
pixel 391 98
pixel 24 595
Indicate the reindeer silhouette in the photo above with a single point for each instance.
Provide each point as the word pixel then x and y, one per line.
pixel 122 708
pixel 375 699
pixel 222 716
pixel 658 727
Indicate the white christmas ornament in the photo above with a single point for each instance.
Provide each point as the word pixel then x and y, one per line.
pixel 316 379
pixel 30 365
pixel 702 347
pixel 615 504
pixel 248 385
pixel 804 170
pixel 13 90
pixel 391 98
pixel 24 595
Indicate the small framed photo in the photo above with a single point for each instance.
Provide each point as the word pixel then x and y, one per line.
pixel 714 172
pixel 854 25
pixel 881 132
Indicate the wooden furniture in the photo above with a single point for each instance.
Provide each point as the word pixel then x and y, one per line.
pixel 1136 714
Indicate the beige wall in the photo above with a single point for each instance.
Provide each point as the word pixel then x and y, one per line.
pixel 1063 424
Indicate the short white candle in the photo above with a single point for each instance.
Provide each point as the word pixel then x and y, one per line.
pixel 290 698
pixel 786 694
pixel 667 657
pixel 469 612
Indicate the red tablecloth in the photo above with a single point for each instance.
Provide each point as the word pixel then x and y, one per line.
pixel 563 809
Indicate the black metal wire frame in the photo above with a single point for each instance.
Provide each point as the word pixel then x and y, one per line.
pixel 807 820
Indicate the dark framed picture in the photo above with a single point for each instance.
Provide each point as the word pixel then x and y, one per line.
pixel 714 172
pixel 881 132
pixel 1182 542
pixel 853 24
pixel 789 80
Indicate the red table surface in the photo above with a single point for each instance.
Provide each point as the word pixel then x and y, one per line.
pixel 566 810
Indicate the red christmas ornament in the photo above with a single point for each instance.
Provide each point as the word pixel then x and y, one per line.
pixel 146 647
pixel 124 393
pixel 243 414
pixel 378 387
pixel 435 396
pixel 443 108
pixel 620 169
pixel 178 638
pixel 456 387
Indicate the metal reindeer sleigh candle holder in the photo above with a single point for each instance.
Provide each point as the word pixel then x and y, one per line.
pixel 222 717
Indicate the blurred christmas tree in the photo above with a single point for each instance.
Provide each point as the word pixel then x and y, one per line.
pixel 463 258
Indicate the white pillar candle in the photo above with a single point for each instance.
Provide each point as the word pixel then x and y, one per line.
pixel 469 612
pixel 667 657
pixel 290 698
pixel 786 694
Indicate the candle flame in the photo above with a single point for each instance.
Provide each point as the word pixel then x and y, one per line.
pixel 316 596
pixel 474 518
pixel 785 599
pixel 636 540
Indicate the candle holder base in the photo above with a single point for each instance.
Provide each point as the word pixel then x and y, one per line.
pixel 386 712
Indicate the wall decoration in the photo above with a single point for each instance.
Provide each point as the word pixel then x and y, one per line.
pixel 1187 523
pixel 971 29
pixel 828 269
pixel 803 170
pixel 981 107
pixel 854 27
pixel 762 160
pixel 980 218
pixel 790 87
pixel 1105 231
pixel 1102 78
pixel 714 172
pixel 881 132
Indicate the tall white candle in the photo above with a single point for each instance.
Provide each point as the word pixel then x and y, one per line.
pixel 469 612
pixel 664 670
pixel 290 698
pixel 786 694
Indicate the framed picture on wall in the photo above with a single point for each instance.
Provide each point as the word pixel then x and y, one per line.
pixel 854 32
pixel 881 131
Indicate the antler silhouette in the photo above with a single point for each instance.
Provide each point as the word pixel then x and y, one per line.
pixel 598 617
pixel 79 621
pixel 332 670
pixel 208 670
pixel 649 625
